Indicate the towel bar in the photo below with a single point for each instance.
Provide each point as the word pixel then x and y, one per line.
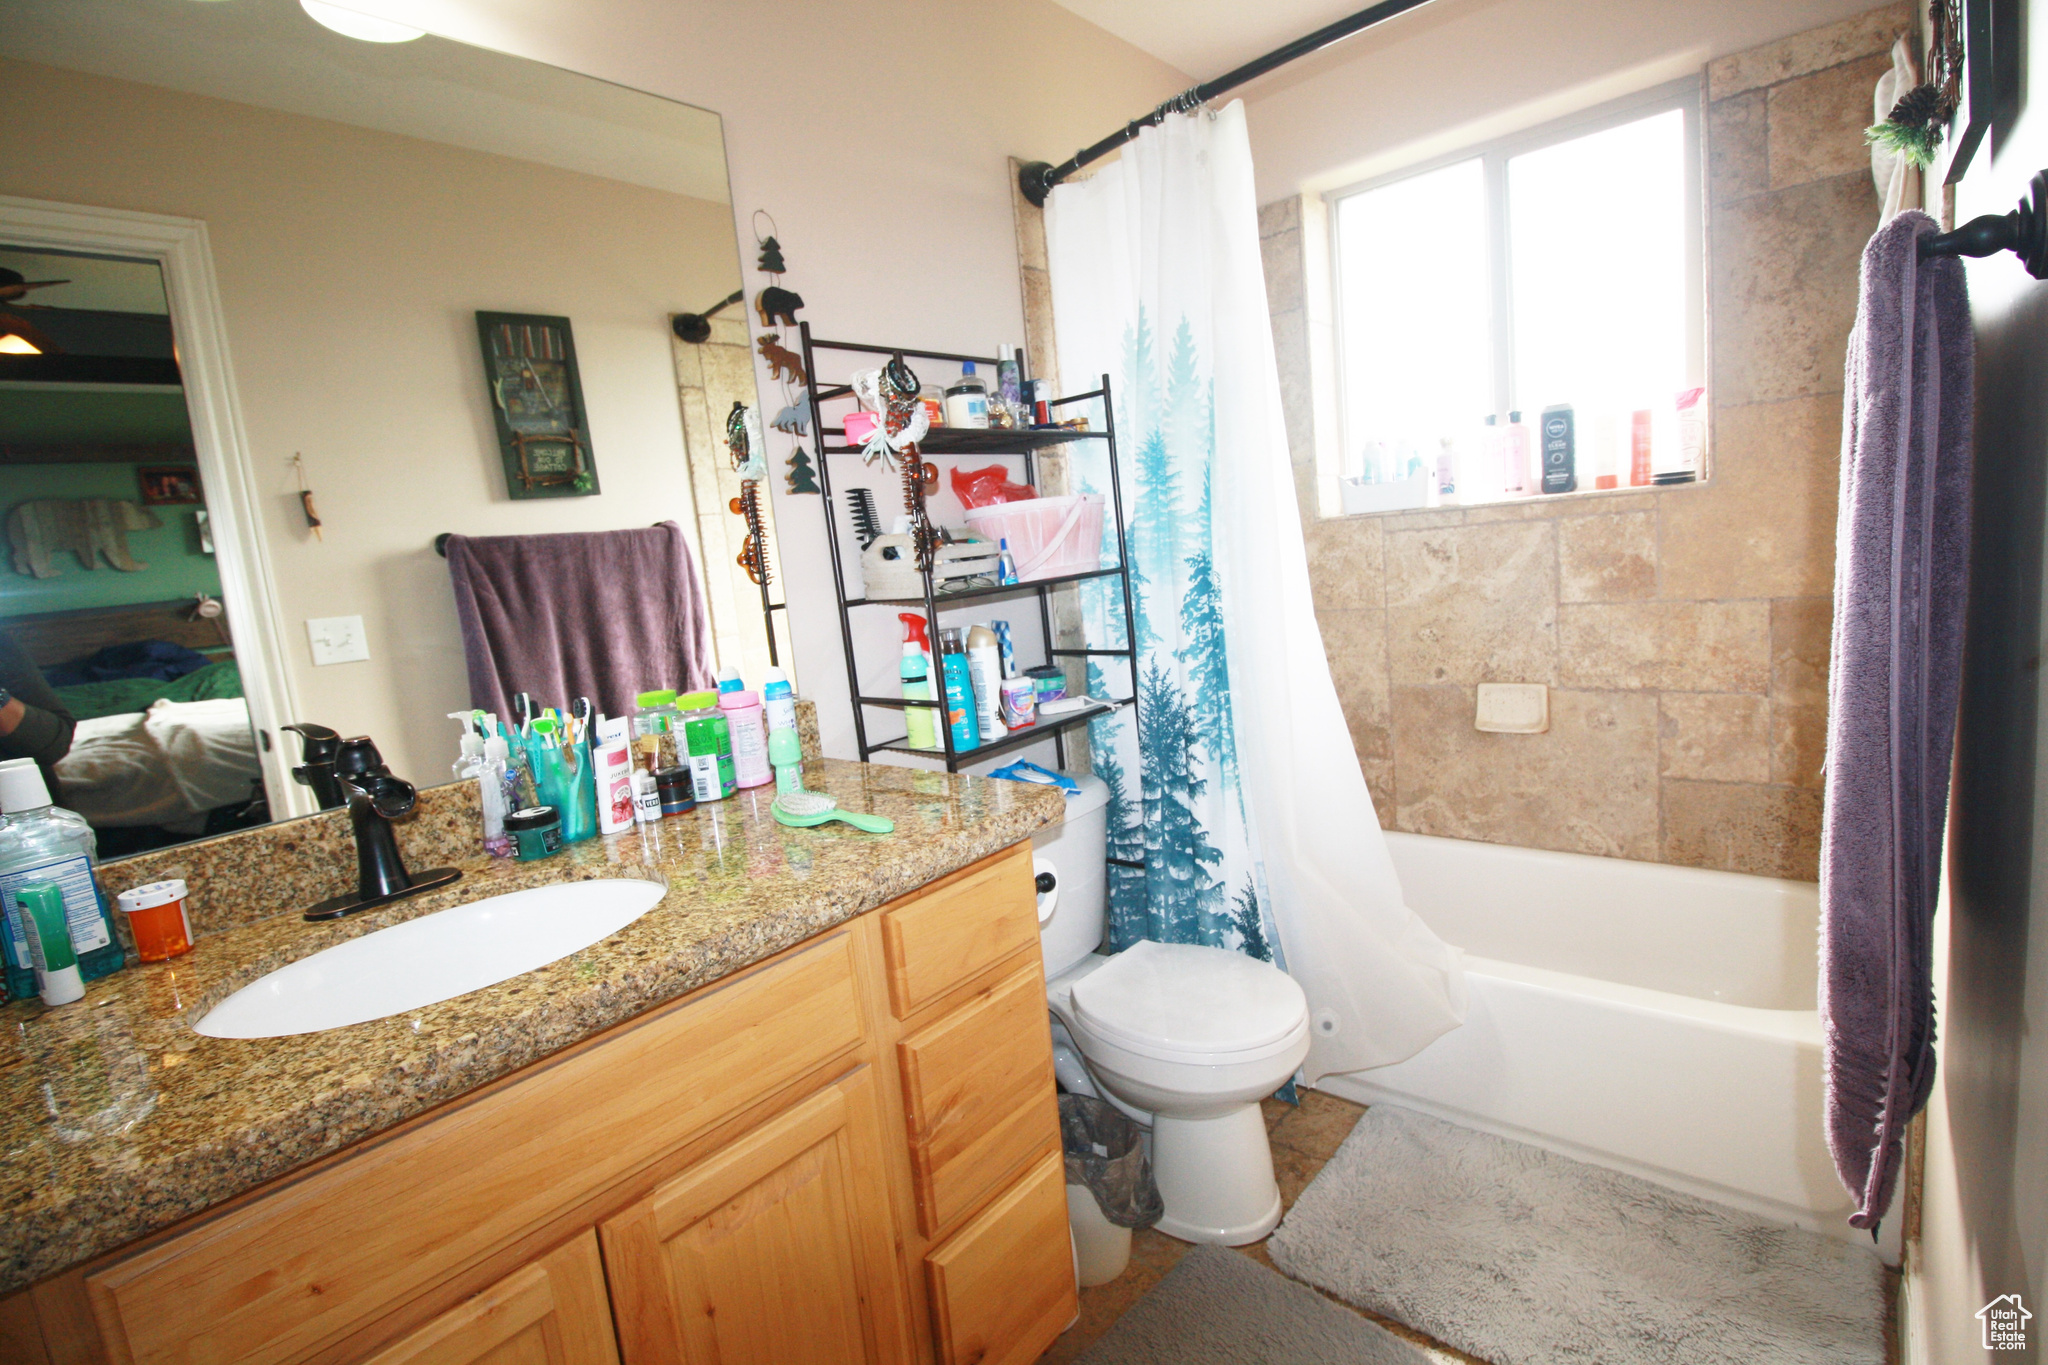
pixel 2024 232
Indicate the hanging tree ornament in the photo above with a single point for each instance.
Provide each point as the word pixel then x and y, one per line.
pixel 801 476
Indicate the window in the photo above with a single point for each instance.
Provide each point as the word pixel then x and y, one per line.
pixel 1526 317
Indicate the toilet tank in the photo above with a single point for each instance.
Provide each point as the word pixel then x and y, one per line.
pixel 1073 851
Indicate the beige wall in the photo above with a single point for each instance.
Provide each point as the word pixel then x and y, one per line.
pixel 1983 1216
pixel 1683 633
pixel 351 264
pixel 877 133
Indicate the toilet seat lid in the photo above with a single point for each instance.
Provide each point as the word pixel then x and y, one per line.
pixel 1189 999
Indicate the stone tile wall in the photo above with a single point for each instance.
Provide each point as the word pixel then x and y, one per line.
pixel 1683 633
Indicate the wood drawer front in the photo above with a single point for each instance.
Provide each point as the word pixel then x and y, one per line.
pixel 943 937
pixel 1003 1286
pixel 321 1256
pixel 553 1311
pixel 978 1097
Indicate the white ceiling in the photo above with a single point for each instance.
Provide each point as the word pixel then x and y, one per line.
pixel 1206 38
pixel 268 53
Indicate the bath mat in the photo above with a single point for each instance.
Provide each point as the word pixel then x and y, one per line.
pixel 1523 1257
pixel 1218 1307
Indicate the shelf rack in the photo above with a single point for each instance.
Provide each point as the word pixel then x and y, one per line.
pixel 961 441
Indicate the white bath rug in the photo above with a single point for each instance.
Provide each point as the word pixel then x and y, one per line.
pixel 1522 1257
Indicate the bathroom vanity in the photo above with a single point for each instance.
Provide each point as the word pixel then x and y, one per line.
pixel 837 1141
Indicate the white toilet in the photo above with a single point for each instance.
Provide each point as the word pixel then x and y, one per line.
pixel 1184 1038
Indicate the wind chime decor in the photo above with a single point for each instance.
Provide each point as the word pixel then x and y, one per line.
pixel 744 440
pixel 1919 121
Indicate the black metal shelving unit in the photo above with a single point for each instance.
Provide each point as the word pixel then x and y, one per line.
pixel 961 441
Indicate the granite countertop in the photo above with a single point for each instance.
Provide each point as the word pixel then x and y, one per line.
pixel 117 1120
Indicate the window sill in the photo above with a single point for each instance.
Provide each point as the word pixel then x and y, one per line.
pixel 1580 502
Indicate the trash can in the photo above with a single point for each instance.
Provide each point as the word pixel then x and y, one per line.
pixel 1110 1189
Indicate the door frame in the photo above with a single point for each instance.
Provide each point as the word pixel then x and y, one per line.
pixel 180 247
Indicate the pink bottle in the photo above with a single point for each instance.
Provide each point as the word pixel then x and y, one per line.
pixel 749 725
pixel 1514 458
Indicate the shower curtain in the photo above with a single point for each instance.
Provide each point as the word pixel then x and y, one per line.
pixel 1237 786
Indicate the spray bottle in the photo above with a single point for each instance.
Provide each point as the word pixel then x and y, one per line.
pixel 916 672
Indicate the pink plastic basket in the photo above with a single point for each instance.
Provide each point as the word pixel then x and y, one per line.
pixel 1048 536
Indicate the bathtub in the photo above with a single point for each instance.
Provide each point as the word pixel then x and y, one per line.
pixel 1656 1020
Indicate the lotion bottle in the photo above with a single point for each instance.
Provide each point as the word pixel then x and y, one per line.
pixel 985 671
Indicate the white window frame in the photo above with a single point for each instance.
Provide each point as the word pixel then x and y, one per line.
pixel 1494 155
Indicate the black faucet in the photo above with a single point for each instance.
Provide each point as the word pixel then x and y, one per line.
pixel 321 747
pixel 375 798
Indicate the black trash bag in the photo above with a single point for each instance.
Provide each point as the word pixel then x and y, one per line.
pixel 1106 1152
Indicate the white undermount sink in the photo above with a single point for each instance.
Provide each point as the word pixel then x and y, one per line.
pixel 435 957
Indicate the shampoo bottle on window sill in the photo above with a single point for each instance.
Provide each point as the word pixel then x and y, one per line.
pixel 1515 458
pixel 42 842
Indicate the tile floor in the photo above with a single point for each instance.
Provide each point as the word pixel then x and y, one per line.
pixel 1303 1139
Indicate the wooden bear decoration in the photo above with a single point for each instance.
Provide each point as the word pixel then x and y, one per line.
pixel 88 527
pixel 783 363
pixel 776 304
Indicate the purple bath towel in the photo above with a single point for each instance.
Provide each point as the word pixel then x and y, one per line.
pixel 1901 574
pixel 598 614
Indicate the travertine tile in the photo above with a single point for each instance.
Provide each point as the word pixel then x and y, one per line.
pixel 1800 644
pixel 1607 558
pixel 1588 785
pixel 1817 122
pixel 1318 1126
pixel 1294 1170
pixel 1769 831
pixel 1040 346
pixel 1763 525
pixel 1281 255
pixel 1469 604
pixel 1857 36
pixel 1738 149
pixel 1356 645
pixel 1028 220
pixel 1783 272
pixel 1715 736
pixel 1682 646
pixel 1347 564
pixel 1282 215
pixel 1799 743
pixel 1297 384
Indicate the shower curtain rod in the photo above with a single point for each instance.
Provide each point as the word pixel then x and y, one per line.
pixel 1038 178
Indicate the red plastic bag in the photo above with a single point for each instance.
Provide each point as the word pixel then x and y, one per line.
pixel 987 487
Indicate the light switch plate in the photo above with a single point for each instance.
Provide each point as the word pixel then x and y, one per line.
pixel 1513 708
pixel 337 639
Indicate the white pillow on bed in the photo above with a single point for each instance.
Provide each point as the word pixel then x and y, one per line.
pixel 166 766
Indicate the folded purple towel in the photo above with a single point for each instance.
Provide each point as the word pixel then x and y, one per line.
pixel 598 614
pixel 1901 575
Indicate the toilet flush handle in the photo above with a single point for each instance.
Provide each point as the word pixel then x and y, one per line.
pixel 1048 879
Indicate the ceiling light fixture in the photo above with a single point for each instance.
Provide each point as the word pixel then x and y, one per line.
pixel 367 27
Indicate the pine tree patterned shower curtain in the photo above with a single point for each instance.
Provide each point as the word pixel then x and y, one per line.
pixel 1237 786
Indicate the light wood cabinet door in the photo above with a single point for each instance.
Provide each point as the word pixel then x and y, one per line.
pixel 553 1311
pixel 774 1251
pixel 1003 1286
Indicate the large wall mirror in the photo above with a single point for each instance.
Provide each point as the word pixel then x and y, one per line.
pixel 246 257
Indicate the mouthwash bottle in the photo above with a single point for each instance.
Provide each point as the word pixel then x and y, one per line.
pixel 42 842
